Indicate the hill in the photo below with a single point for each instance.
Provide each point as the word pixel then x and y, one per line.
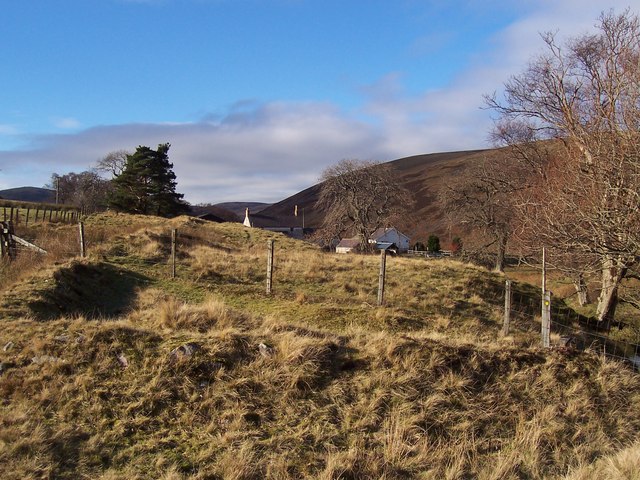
pixel 423 175
pixel 239 207
pixel 113 369
pixel 29 194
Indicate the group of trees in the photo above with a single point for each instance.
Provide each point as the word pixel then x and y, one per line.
pixel 570 124
pixel 141 182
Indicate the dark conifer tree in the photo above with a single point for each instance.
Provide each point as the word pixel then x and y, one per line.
pixel 147 185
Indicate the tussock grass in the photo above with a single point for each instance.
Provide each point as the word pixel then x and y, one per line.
pixel 206 376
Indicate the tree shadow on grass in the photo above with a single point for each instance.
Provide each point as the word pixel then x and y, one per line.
pixel 96 290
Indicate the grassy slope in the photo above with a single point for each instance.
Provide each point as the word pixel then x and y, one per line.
pixel 422 388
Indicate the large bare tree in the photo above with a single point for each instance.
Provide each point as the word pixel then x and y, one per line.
pixel 360 197
pixel 585 95
pixel 482 199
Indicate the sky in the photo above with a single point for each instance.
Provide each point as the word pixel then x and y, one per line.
pixel 258 97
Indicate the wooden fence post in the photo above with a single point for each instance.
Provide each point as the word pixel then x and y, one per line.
pixel 507 307
pixel 26 221
pixel 4 240
pixel 174 235
pixel 83 251
pixel 546 319
pixel 381 276
pixel 270 243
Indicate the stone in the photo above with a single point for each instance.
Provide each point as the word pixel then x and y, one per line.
pixel 122 360
pixel 265 350
pixel 42 359
pixel 184 351
pixel 7 347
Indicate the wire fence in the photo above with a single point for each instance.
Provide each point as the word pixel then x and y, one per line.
pixel 525 308
pixel 567 327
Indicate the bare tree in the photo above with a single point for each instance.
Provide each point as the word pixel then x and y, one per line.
pixel 85 190
pixel 113 162
pixel 584 94
pixel 360 197
pixel 482 199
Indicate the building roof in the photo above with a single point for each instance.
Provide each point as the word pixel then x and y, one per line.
pixel 349 242
pixel 386 246
pixel 381 231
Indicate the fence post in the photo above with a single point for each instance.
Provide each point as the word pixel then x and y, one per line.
pixel 174 235
pixel 269 265
pixel 83 251
pixel 381 276
pixel 4 239
pixel 507 307
pixel 546 319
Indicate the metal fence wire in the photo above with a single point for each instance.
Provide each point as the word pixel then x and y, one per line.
pixel 571 330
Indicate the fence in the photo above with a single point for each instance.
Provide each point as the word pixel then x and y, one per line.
pixel 22 213
pixel 562 326
pixel 426 254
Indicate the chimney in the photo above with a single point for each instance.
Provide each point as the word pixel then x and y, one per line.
pixel 247 220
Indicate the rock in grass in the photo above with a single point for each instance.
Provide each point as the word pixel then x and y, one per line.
pixel 42 359
pixel 265 350
pixel 184 351
pixel 7 347
pixel 122 360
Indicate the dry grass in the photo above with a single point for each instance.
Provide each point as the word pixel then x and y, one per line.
pixel 177 385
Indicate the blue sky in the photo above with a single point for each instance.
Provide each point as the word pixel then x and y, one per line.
pixel 257 97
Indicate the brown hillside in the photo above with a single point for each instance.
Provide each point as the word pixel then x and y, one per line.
pixel 423 175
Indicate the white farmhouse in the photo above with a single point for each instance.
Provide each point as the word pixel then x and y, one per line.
pixel 383 238
pixel 386 236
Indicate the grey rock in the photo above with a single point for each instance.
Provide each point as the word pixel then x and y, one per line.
pixel 42 359
pixel 122 360
pixel 184 351
pixel 265 350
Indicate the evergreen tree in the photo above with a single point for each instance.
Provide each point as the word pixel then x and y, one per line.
pixel 433 243
pixel 147 184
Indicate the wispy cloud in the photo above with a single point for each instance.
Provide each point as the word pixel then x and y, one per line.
pixel 8 129
pixel 65 123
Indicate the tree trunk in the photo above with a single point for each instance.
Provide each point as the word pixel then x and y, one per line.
pixel 581 289
pixel 500 255
pixel 612 273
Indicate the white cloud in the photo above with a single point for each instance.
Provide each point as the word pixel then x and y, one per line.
pixel 65 123
pixel 263 153
pixel 9 130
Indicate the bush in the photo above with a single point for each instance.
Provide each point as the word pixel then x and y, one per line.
pixel 433 244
